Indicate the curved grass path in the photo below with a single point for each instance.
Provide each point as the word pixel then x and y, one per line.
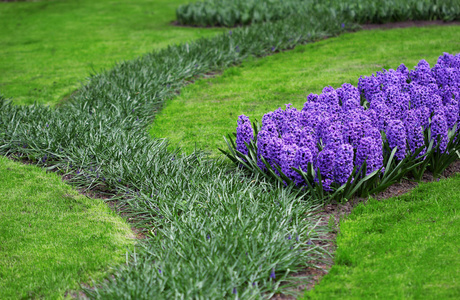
pixel 51 238
pixel 208 109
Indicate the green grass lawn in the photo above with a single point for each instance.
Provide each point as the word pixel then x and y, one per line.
pixel 49 48
pixel 51 238
pixel 406 247
pixel 209 109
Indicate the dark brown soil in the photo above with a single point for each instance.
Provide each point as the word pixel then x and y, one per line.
pixel 406 24
pixel 403 24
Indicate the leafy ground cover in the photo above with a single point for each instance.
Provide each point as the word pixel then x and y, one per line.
pixel 51 47
pixel 233 12
pixel 405 247
pixel 51 238
pixel 262 85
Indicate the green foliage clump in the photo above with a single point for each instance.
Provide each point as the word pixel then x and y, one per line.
pixel 242 12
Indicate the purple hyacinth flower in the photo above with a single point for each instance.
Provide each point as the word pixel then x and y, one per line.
pixel 343 163
pixel 355 123
pixel 333 137
pixel 370 151
pixel 303 157
pixel 439 131
pixel 234 291
pixel 288 159
pixel 403 70
pixel 414 130
pixel 325 166
pixel 396 137
pixel 397 101
pixel 276 150
pixel 422 73
pixel 451 113
pixel 368 86
pixel 272 274
pixel 347 91
pixel 244 134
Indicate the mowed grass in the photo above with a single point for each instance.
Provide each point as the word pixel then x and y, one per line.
pixel 51 238
pixel 406 247
pixel 49 48
pixel 208 109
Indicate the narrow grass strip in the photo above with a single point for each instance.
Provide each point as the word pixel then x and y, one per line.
pixel 405 247
pixel 51 238
pixel 243 12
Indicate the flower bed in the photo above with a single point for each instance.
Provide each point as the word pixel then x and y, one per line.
pixel 360 139
pixel 243 12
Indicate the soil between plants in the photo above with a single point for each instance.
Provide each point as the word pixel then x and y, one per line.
pixel 391 25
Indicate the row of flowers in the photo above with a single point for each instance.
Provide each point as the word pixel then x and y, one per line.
pixel 345 134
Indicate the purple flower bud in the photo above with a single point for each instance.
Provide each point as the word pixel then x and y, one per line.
pixel 234 291
pixel 288 160
pixel 422 73
pixel 272 274
pixel 368 86
pixel 369 151
pixel 244 134
pixel 414 130
pixel 343 163
pixel 325 162
pixel 439 131
pixel 396 136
